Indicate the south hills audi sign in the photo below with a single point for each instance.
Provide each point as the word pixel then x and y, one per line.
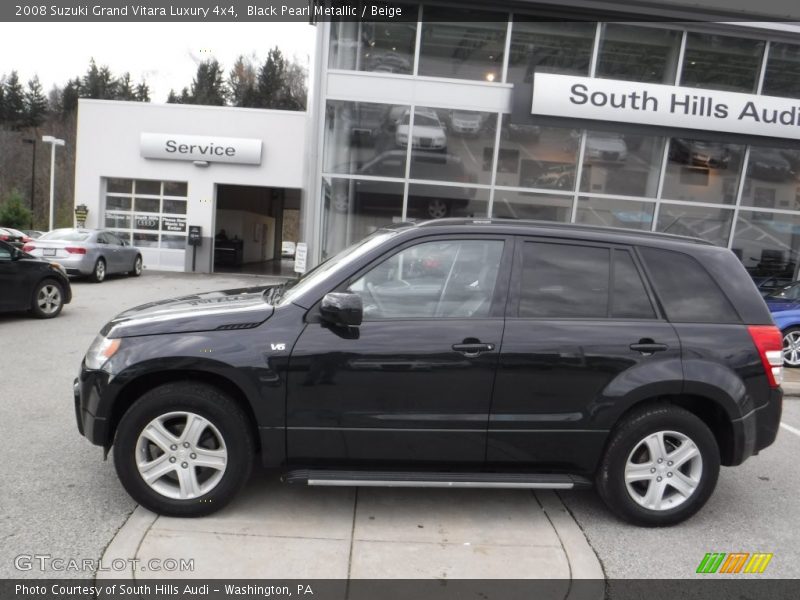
pixel 665 105
pixel 169 146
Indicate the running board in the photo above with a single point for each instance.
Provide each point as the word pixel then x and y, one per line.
pixel 535 481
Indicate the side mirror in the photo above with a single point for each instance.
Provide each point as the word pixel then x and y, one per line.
pixel 342 309
pixel 16 254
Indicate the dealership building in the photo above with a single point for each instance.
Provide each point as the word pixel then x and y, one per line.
pixel 680 122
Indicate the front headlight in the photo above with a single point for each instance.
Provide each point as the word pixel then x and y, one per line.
pixel 101 350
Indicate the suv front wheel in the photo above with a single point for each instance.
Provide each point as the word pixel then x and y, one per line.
pixel 183 449
pixel 660 467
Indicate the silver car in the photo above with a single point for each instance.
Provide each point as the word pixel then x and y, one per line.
pixel 90 252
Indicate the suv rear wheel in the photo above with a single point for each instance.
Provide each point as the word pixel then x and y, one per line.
pixel 183 449
pixel 660 467
pixel 48 299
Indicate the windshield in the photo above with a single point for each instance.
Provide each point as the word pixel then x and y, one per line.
pixel 790 292
pixel 328 269
pixel 66 235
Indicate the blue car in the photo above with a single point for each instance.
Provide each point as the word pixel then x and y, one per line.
pixel 784 304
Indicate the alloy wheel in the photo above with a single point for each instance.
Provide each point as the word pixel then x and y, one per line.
pixel 181 455
pixel 791 348
pixel 100 270
pixel 663 470
pixel 137 265
pixel 49 299
pixel 437 209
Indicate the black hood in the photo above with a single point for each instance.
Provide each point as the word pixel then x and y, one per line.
pixel 241 308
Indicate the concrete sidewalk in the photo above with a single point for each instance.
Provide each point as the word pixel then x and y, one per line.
pixel 791 382
pixel 276 530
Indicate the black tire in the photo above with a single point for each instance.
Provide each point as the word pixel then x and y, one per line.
pixel 787 356
pixel 99 272
pixel 48 299
pixel 198 399
pixel 627 437
pixel 137 266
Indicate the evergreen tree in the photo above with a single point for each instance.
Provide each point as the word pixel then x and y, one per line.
pixel 55 104
pixel 35 103
pixel 98 83
pixel 271 80
pixel 125 89
pixel 242 83
pixel 14 100
pixel 208 87
pixel 185 97
pixel 70 95
pixel 143 92
pixel 2 99
pixel 172 98
pixel 13 213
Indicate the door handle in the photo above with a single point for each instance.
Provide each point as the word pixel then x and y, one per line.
pixel 648 347
pixel 473 349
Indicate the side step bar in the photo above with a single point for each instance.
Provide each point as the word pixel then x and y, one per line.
pixel 534 481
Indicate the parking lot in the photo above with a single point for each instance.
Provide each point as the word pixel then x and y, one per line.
pixel 59 498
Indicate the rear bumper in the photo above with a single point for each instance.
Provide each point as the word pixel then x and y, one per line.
pixel 758 429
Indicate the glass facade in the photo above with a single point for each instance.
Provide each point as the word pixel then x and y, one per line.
pixel 392 161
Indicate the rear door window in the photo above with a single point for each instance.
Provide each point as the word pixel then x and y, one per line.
pixel 630 299
pixel 564 281
pixel 685 288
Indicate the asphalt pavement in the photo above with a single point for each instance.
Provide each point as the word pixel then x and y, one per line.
pixel 755 508
pixel 57 496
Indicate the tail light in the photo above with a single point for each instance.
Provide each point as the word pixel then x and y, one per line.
pixel 769 343
pixel 4 237
pixel 75 250
pixel 28 247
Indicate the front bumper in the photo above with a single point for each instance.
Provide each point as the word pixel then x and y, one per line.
pixel 90 412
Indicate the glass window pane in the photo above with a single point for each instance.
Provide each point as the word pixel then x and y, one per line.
pixel 625 164
pixel 438 201
pixel 702 171
pixel 148 187
pixel 782 77
pixel 686 290
pixel 537 156
pixel 146 222
pixel 529 205
pixel 638 53
pixel 712 224
pixel 175 188
pixel 768 243
pixel 173 224
pixel 610 212
pixel 363 138
pixel 125 236
pixel 355 208
pixel 384 47
pixel 434 279
pixel 450 145
pixel 770 180
pixel 543 47
pixel 173 242
pixel 175 207
pixel 559 280
pixel 121 186
pixel 145 240
pixel 471 49
pixel 147 204
pixel 719 62
pixel 118 203
pixel 116 220
pixel 630 299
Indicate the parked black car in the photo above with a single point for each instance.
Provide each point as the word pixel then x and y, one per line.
pixel 29 283
pixel 450 353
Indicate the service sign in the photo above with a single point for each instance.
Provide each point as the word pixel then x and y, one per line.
pixel 170 146
pixel 665 105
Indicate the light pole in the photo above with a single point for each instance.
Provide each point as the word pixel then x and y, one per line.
pixel 33 172
pixel 53 141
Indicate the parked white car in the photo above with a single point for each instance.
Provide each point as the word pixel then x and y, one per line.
pixel 428 130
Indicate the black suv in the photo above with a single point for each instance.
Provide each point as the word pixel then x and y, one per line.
pixel 450 353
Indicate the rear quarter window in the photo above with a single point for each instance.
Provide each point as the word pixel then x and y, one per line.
pixel 687 291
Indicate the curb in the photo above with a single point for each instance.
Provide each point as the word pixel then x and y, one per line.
pixel 125 545
pixel 791 388
pixel 587 577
